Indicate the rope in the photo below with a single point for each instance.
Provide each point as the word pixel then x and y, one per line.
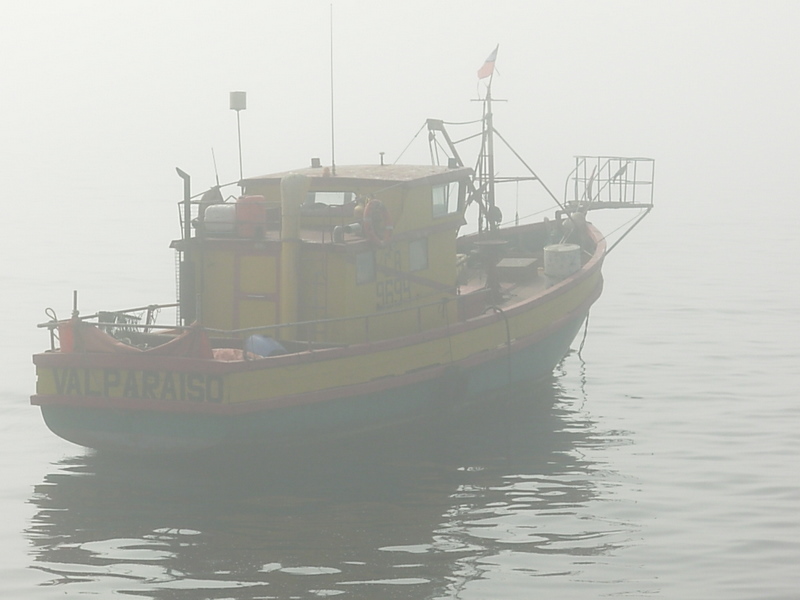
pixel 443 312
pixel 585 331
pixel 502 313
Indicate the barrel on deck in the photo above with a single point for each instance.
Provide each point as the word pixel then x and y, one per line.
pixel 561 260
pixel 251 216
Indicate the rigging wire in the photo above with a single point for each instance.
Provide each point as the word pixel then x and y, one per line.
pixel 635 218
pixel 409 143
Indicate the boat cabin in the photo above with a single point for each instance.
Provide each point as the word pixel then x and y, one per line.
pixel 360 254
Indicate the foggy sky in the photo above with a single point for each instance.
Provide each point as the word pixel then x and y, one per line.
pixel 100 101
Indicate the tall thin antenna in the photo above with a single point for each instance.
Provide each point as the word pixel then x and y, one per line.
pixel 239 103
pixel 333 126
pixel 216 172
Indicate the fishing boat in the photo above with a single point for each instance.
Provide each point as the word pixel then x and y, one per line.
pixel 330 300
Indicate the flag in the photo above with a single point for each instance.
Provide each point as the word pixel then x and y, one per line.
pixel 488 67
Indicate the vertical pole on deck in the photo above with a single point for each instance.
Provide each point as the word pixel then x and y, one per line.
pixel 238 102
pixel 490 154
pixel 187 302
pixel 333 117
pixel 187 206
pixel 294 189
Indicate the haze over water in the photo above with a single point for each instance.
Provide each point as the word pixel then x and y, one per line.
pixel 661 462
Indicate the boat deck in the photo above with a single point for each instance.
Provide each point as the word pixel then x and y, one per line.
pixel 514 279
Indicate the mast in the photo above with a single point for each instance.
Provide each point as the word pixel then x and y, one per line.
pixel 333 118
pixel 490 157
pixel 485 167
pixel 486 159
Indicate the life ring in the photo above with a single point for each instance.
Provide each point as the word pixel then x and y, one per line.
pixel 378 226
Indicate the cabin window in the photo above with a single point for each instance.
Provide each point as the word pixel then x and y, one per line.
pixel 445 199
pixel 329 198
pixel 418 254
pixel 365 267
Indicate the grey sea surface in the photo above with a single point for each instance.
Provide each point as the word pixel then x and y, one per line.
pixel 660 461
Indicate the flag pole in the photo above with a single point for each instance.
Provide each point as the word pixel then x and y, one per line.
pixel 490 142
pixel 490 148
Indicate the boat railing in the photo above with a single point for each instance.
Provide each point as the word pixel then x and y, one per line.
pixel 130 317
pixel 316 217
pixel 140 319
pixel 301 334
pixel 611 182
pixel 304 333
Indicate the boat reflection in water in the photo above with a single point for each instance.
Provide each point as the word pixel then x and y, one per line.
pixel 411 513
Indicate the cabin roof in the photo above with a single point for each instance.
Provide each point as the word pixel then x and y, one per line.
pixel 370 173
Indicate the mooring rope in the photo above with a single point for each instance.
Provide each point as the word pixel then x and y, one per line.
pixel 585 332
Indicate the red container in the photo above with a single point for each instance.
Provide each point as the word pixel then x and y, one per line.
pixel 66 336
pixel 251 216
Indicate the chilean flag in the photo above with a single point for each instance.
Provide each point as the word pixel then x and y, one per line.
pixel 488 67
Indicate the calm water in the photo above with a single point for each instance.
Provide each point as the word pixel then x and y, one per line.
pixel 662 462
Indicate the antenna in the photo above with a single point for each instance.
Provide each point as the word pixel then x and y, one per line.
pixel 214 159
pixel 333 126
pixel 239 103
